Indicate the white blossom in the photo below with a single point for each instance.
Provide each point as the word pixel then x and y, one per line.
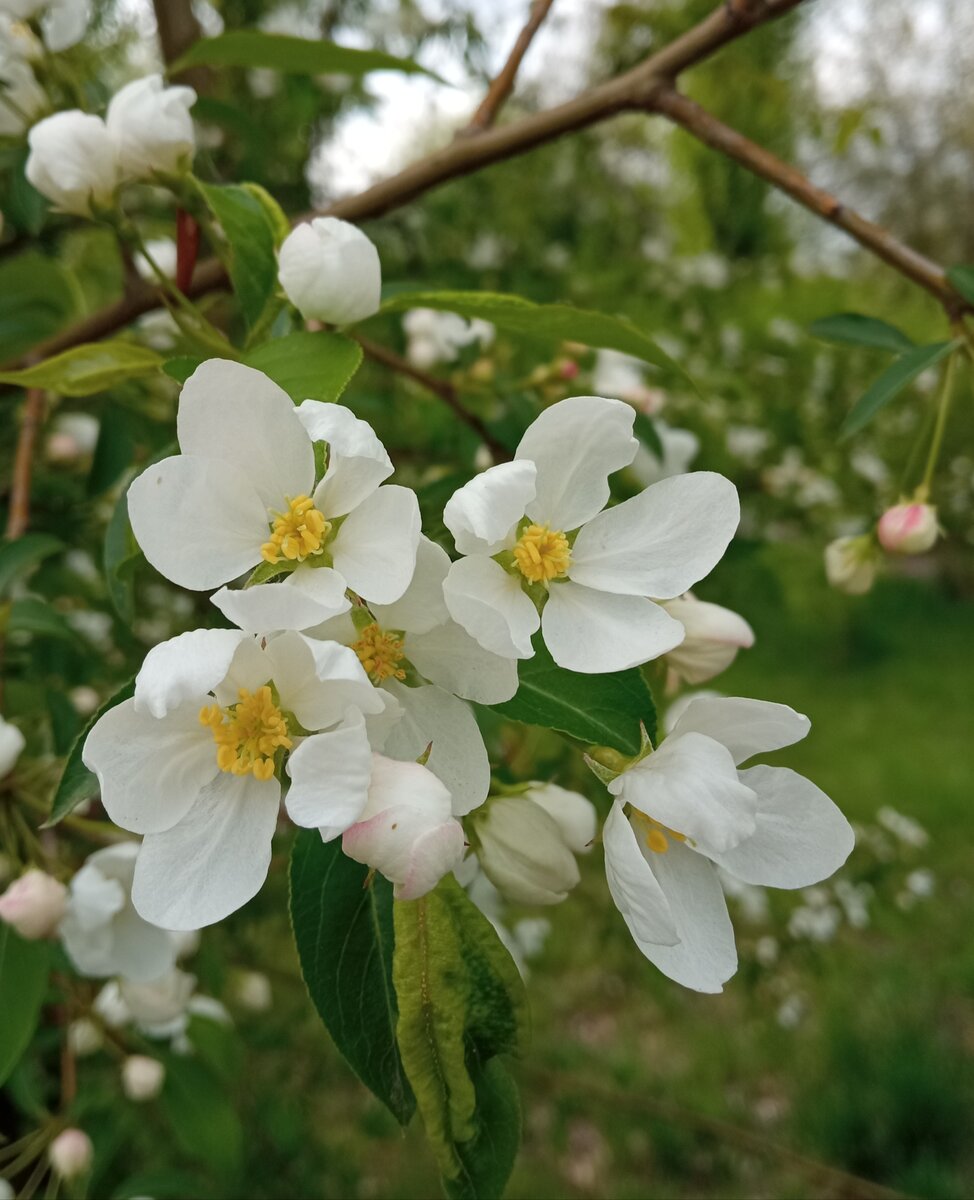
pixel 433 337
pixel 142 1077
pixel 12 744
pixel 714 634
pixel 73 162
pixel 851 564
pixel 330 271
pixel 151 128
pixel 70 1154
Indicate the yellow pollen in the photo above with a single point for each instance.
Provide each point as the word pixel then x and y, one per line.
pixel 380 654
pixel 657 836
pixel 542 554
pixel 297 533
pixel 247 734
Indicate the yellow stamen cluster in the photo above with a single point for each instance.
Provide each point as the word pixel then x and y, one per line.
pixel 380 654
pixel 247 734
pixel 657 835
pixel 297 533
pixel 542 554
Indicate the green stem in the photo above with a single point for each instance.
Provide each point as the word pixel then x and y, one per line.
pixel 946 395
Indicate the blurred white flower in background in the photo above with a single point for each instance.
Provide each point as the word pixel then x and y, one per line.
pixel 438 337
pixel 12 743
pixel 34 904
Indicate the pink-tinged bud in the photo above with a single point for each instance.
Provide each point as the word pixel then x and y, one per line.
pixel 851 564
pixel 908 528
pixel 71 1153
pixel 142 1077
pixel 34 904
pixel 567 369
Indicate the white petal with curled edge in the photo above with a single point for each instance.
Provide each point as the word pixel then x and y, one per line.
pixel 576 445
pixel 150 770
pixel 306 597
pixel 661 542
pixel 746 727
pixel 199 521
pixel 421 606
pixel 449 657
pixel 318 681
pixel 236 414
pixel 250 668
pixel 458 756
pixel 330 775
pixel 574 815
pixel 490 605
pixel 633 886
pixel 185 668
pixel 705 956
pixel 801 836
pixel 375 549
pixel 593 632
pixel 357 460
pixel 482 515
pixel 337 629
pixel 214 860
pixel 690 785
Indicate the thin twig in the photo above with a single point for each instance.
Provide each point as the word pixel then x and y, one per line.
pixel 18 516
pixel 503 84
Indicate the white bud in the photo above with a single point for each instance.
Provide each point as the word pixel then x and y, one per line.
pixel 142 1077
pixel 72 162
pixel 11 745
pixel 908 528
pixel 851 564
pixel 522 851
pixel 573 814
pixel 151 127
pixel 6 1190
pixel 34 904
pixel 330 271
pixel 22 98
pixel 253 991
pixel 713 636
pixel 71 1153
pixel 84 1037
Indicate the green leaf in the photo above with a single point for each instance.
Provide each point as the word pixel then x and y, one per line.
pixel 250 234
pixel 77 783
pixel 290 55
pixel 854 329
pixel 963 280
pixel 604 710
pixel 114 451
pixel 87 369
pixel 35 616
pixel 893 380
pixel 559 321
pixel 487 1159
pixel 344 936
pixel 276 216
pixel 181 367
pixel 38 297
pixel 120 553
pixel 20 555
pixel 202 1117
pixel 645 429
pixel 23 980
pixel 308 366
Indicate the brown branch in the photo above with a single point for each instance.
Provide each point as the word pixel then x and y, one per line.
pixel 178 29
pixel 502 86
pixel 18 516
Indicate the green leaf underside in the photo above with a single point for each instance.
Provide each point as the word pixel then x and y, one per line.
pixel 897 376
pixel 23 979
pixel 77 783
pixel 461 1002
pixel 343 931
pixel 250 234
pixel 291 55
pixel 308 366
pixel 85 370
pixel 603 710
pixel 856 329
pixel 20 555
pixel 963 280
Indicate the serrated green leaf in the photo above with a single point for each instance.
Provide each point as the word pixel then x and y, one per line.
pixel 308 366
pixel 343 931
pixel 487 1159
pixel 250 236
pixel 77 783
pixel 963 280
pixel 21 554
pixel 85 370
pixel 604 710
pixel 35 616
pixel 855 329
pixel 893 380
pixel 24 967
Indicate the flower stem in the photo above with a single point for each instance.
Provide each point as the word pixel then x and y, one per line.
pixel 946 395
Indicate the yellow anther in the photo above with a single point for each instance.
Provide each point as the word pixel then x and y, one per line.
pixel 380 654
pixel 247 734
pixel 656 841
pixel 542 554
pixel 296 534
pixel 657 836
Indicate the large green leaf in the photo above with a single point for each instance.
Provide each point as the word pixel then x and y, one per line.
pixel 21 554
pixel 201 1114
pixel 559 321
pixel 604 710
pixel 308 366
pixel 487 1159
pixel 343 931
pixel 87 369
pixel 291 55
pixel 250 235
pixel 23 979
pixel 855 329
pixel 77 783
pixel 894 379
pixel 35 616
pixel 38 297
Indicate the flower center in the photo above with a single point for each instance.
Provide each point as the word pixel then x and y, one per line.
pixel 657 836
pixel 247 734
pixel 297 533
pixel 542 554
pixel 380 654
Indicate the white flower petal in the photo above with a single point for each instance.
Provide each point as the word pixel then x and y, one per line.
pixel 199 521
pixel 306 597
pixel 357 460
pixel 410 850
pixel 490 605
pixel 318 681
pixel 375 549
pixel 576 445
pixel 150 771
pixel 449 657
pixel 801 836
pixel 337 629
pixel 250 669
pixel 409 784
pixel 594 632
pixel 330 775
pixel 233 413
pixel 483 513
pixel 214 860
pixel 660 542
pixel 184 668
pixel 142 951
pixel 379 725
pixel 574 815
pixel 746 727
pixel 633 886
pixel 421 606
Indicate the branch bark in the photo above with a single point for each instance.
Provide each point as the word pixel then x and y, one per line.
pixel 178 30
pixel 18 513
pixel 503 84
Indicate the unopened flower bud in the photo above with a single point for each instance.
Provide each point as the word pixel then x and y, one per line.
pixel 34 904
pixel 851 564
pixel 151 127
pixel 11 745
pixel 71 1153
pixel 572 813
pixel 253 991
pixel 908 528
pixel 522 851
pixel 713 636
pixel 142 1077
pixel 84 1037
pixel 330 271
pixel 73 161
